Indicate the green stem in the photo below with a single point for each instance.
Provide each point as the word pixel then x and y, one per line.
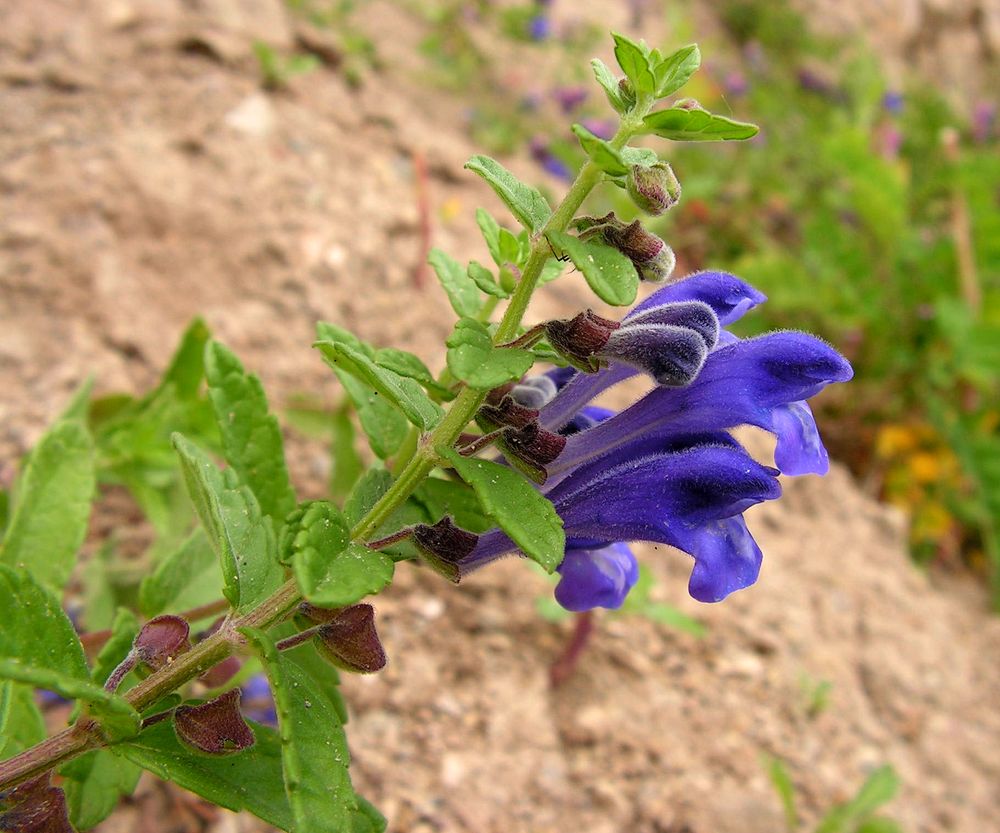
pixel 86 734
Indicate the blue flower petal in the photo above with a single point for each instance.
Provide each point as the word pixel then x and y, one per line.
pixel 596 577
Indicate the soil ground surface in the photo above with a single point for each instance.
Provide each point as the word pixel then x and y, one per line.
pixel 145 178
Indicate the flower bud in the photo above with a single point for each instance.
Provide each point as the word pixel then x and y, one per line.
pixel 659 268
pixel 350 642
pixel 216 727
pixel 654 189
pixel 161 640
pixel 627 93
pixel 443 545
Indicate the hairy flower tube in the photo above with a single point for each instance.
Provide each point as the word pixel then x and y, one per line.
pixel 666 470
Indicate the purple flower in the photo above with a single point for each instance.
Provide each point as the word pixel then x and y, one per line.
pixel 258 703
pixel 666 469
pixel 892 102
pixel 549 161
pixel 602 128
pixel 570 98
pixel 539 28
pixel 600 577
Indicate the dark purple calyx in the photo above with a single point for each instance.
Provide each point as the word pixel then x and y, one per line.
pixel 35 807
pixel 350 641
pixel 531 449
pixel 443 545
pixel 653 259
pixel 216 727
pixel 507 413
pixel 161 640
pixel 581 338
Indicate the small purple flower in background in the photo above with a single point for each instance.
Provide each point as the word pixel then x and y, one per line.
pixel 258 703
pixel 984 118
pixel 666 469
pixel 569 98
pixel 549 161
pixel 539 28
pixel 735 84
pixel 892 102
pixel 602 128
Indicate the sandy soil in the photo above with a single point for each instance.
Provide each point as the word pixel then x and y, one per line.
pixel 145 178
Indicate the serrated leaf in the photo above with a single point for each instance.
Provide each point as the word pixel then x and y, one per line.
pixel 517 508
pixel 607 271
pixel 490 229
pixel 406 364
pixel 526 203
pixel 251 438
pixel 331 571
pixel 458 286
pixel 21 722
pixel 366 492
pixel 385 427
pixel 473 358
pixel 601 153
pixel 674 71
pixel 52 506
pixel 606 78
pixel 186 578
pixel 314 753
pixel 682 125
pixel 346 465
pixel 39 646
pixel 242 537
pixel 483 278
pixel 633 61
pixel 448 497
pixel 405 393
pixel 95 782
pixel 251 782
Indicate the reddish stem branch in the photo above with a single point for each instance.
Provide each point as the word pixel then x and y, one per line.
pixel 564 667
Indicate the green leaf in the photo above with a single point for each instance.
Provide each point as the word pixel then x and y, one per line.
pixel 313 746
pixel 639 156
pixel 490 229
pixel 52 506
pixel 95 783
pixel 781 780
pixel 448 497
pixel 373 484
pixel 473 358
pixel 123 631
pixel 249 781
pixel 552 269
pixel 186 578
pixel 99 602
pixel 346 463
pixel 608 272
pixel 39 646
pixel 240 534
pixel 880 787
pixel 511 250
pixel 405 393
pixel 483 278
pixel 606 78
pixel 21 723
pixel 251 438
pixel 459 287
pixel 518 509
pixel 385 427
pixel 79 403
pixel 632 59
pixel 526 203
pixel 880 824
pixel 367 819
pixel 330 570
pixel 696 125
pixel 187 367
pixel 674 71
pixel 601 153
